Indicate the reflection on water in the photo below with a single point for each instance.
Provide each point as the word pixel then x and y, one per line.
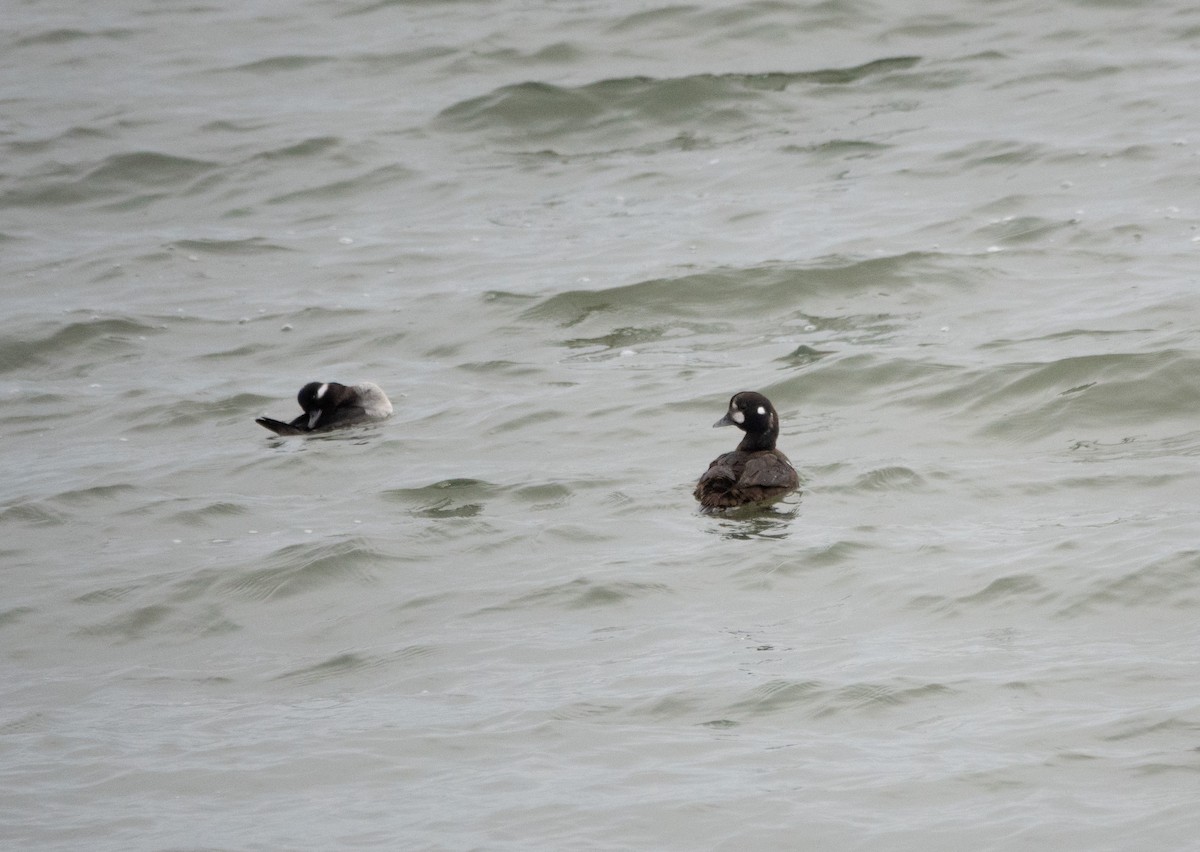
pixel 753 522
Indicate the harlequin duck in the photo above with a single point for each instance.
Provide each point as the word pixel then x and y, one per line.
pixel 755 472
pixel 329 405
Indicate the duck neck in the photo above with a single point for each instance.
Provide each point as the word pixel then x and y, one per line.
pixel 754 443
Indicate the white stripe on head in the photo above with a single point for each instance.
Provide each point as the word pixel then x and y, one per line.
pixel 321 390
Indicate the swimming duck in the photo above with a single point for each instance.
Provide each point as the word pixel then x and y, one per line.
pixel 329 405
pixel 755 472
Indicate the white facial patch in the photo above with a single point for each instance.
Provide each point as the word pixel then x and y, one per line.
pixel 761 410
pixel 737 416
pixel 321 390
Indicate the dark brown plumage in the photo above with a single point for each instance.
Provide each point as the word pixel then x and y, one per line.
pixel 755 472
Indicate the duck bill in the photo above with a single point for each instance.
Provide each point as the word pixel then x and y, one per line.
pixel 313 418
pixel 724 421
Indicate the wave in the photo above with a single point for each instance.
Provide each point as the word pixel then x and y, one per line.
pixel 816 699
pixel 1077 394
pixel 580 593
pixel 765 291
pixel 1171 581
pixel 352 663
pixel 77 341
pixel 301 568
pixel 124 178
pixel 539 110
pixel 66 35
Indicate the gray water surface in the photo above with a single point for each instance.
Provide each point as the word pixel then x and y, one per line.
pixel 956 244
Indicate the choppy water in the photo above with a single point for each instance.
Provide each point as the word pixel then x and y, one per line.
pixel 955 243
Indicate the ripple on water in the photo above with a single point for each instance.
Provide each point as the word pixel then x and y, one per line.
pixel 1172 582
pixel 1022 229
pixel 1017 590
pixel 136 620
pixel 243 247
pixel 97 494
pixel 1079 393
pixel 286 63
pixel 15 615
pixel 349 663
pixel 34 514
pixel 541 112
pixel 817 699
pixel 66 35
pixel 580 593
pixel 79 341
pixel 448 498
pixel 173 413
pixel 760 295
pixel 748 523
pixel 466 498
pixel 209 514
pixel 892 478
pixel 126 178
pixel 352 187
pixel 301 568
pixel 544 496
